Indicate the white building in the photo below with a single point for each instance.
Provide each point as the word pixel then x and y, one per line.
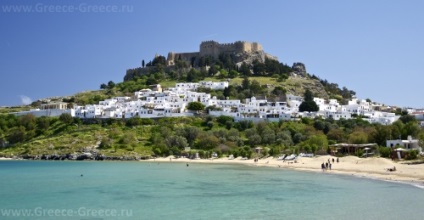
pixel 409 144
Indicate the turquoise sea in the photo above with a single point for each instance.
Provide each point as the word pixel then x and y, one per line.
pixel 144 190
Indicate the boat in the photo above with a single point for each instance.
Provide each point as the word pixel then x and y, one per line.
pixel 281 157
pixel 290 157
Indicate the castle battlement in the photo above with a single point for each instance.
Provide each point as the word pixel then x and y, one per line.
pixel 214 49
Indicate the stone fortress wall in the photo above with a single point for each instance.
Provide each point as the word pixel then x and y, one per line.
pixel 213 48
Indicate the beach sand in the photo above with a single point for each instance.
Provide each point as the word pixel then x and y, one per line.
pixel 373 167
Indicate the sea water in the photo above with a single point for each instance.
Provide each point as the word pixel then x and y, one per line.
pixel 150 190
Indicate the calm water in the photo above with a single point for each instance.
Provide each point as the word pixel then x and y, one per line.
pixel 136 190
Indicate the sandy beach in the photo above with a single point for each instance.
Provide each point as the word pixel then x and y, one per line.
pixel 375 168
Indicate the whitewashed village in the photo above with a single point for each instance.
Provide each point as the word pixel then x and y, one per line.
pixel 172 102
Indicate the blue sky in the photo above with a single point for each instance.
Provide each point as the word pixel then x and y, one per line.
pixel 375 47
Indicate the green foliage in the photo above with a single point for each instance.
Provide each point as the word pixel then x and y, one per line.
pixel 411 155
pixel 66 118
pixel 206 141
pixel 159 60
pixel 384 152
pixel 136 121
pixel 110 84
pixel 245 152
pixel 222 120
pixel 408 118
pixel 359 153
pixel 195 106
pixel 308 104
pixel 335 91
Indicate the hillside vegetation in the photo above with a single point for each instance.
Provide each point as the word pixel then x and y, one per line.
pixel 143 138
pixel 137 137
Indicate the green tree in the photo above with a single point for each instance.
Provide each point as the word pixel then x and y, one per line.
pixel 245 84
pixel 195 106
pixel 159 60
pixel 222 119
pixel 358 137
pixel 207 141
pixel 245 70
pixel 43 124
pixel 318 142
pixel 29 121
pixel 233 74
pixel 407 118
pixel 189 132
pixel 381 134
pixel 223 74
pixel 17 134
pixel 336 135
pixel 308 104
pixel 66 118
pixel 284 138
pixel 384 151
pixel 111 84
pixel 176 141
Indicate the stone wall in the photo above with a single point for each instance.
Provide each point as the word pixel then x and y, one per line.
pixel 170 61
pixel 213 48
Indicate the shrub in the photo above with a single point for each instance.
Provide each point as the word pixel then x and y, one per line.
pixel 384 152
pixel 411 155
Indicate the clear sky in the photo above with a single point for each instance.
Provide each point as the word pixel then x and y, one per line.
pixel 48 48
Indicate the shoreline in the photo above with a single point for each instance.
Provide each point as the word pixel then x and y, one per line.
pixel 371 168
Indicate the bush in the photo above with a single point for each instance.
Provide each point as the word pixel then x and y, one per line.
pixel 384 152
pixel 360 152
pixel 66 118
pixel 411 155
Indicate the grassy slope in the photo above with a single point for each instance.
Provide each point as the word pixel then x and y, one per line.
pixel 61 139
pixel 293 85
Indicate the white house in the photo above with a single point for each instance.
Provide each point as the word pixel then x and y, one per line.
pixel 409 144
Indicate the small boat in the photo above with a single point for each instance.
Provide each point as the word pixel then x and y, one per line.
pixel 281 157
pixel 290 157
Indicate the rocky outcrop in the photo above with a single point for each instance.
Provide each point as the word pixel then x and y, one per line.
pixel 249 57
pixel 299 69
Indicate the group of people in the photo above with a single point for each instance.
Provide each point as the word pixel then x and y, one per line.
pixel 327 165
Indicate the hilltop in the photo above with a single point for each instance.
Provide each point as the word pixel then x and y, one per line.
pixel 234 62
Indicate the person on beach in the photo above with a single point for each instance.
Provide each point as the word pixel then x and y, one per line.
pixel 323 167
pixel 333 160
pixel 329 165
pixel 337 159
pixel 326 165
